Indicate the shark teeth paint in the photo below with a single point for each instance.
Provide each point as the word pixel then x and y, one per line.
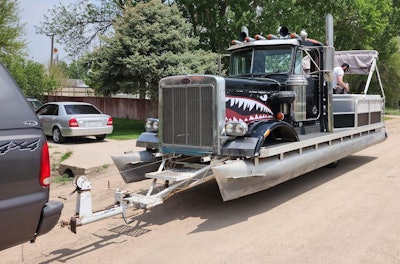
pixel 246 109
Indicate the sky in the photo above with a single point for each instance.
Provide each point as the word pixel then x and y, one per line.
pixel 39 46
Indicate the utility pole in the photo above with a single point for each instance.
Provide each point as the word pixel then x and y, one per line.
pixel 52 47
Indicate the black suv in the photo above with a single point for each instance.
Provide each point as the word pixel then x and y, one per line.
pixel 25 209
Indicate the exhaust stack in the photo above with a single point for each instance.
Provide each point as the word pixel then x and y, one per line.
pixel 329 51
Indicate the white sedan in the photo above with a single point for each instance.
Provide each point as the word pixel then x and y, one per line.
pixel 73 119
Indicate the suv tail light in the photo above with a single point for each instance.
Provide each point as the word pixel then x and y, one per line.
pixel 110 121
pixel 73 123
pixel 45 166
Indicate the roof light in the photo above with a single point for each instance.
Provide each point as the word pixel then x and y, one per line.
pixel 235 42
pixel 259 37
pixel 249 39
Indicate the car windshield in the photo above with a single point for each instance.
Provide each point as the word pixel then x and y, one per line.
pixel 266 60
pixel 35 104
pixel 81 109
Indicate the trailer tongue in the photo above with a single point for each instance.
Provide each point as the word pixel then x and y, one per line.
pixel 273 119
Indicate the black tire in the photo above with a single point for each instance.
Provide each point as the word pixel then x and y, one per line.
pixel 57 137
pixel 100 137
pixel 333 165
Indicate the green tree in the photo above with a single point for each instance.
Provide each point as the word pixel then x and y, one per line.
pixel 29 75
pixel 358 24
pixel 218 22
pixel 390 75
pixel 80 25
pixel 151 41
pixel 75 70
pixel 11 30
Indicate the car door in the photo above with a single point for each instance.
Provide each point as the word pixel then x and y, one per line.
pixel 48 116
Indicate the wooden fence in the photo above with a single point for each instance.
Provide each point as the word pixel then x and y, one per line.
pixel 137 109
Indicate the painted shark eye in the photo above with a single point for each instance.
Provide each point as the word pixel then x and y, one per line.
pixel 264 98
pixel 236 128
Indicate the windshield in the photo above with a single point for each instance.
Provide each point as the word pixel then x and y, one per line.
pixel 265 60
pixel 81 109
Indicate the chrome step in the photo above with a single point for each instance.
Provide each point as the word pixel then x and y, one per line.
pixel 144 201
pixel 176 174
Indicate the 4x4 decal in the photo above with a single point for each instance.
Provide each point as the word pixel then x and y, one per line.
pixel 31 146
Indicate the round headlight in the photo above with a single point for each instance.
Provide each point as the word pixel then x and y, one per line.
pixel 236 128
pixel 149 124
pixel 155 125
pixel 229 128
pixel 240 129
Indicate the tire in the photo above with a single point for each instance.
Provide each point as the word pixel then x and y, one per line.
pixel 57 137
pixel 100 137
pixel 332 165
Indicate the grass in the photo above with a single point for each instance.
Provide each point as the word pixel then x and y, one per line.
pixel 131 129
pixel 62 179
pixel 66 156
pixel 392 111
pixel 126 129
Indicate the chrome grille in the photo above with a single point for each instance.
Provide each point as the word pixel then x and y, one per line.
pixel 187 116
pixel 192 114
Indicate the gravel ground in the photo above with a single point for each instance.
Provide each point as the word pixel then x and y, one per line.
pixel 350 214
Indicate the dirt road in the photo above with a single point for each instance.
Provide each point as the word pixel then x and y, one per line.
pixel 350 214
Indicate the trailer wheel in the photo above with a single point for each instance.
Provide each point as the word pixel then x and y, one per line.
pixel 333 165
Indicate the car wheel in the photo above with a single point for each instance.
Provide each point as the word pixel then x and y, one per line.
pixel 57 137
pixel 100 137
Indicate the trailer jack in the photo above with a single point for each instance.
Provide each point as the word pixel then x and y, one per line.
pixel 174 180
pixel 83 210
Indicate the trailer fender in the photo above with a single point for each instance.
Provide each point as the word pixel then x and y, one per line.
pixel 258 136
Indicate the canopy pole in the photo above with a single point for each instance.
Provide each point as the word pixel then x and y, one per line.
pixel 380 84
pixel 371 71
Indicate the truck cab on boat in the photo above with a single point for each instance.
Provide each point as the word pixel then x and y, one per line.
pixel 274 118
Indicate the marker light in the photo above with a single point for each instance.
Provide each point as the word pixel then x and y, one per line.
pixel 259 37
pixel 234 42
pixel 249 39
pixel 280 116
